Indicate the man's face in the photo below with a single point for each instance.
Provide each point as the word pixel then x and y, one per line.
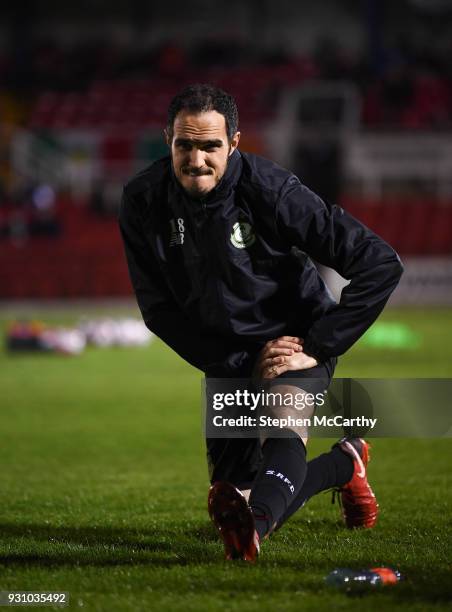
pixel 200 149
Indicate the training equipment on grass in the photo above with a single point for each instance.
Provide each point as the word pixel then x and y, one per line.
pixel 361 580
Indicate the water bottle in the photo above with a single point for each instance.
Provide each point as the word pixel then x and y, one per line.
pixel 361 580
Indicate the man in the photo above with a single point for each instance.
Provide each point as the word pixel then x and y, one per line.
pixel 218 244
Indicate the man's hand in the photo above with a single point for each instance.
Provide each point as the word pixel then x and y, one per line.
pixel 281 355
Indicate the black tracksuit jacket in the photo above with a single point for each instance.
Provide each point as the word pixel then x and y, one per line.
pixel 218 277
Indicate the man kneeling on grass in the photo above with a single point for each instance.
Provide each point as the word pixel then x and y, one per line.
pixel 219 245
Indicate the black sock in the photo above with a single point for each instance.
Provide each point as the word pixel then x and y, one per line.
pixel 278 481
pixel 332 469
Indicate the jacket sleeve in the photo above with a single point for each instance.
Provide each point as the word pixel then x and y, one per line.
pixel 336 239
pixel 160 311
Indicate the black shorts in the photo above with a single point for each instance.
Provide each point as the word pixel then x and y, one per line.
pixel 237 460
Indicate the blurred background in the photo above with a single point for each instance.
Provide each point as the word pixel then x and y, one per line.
pixel 354 96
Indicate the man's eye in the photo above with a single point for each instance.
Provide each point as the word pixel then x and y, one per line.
pixel 210 149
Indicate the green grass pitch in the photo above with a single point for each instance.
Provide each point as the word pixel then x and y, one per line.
pixel 104 489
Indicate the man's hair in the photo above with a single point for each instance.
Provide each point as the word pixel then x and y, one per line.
pixel 201 98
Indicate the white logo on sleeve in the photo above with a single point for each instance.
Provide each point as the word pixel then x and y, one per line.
pixel 177 231
pixel 242 235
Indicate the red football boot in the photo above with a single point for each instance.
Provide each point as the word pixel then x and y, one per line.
pixel 234 520
pixel 359 506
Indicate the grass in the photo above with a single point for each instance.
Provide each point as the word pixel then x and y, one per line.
pixel 104 490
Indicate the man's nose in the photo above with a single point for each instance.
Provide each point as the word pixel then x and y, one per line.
pixel 196 158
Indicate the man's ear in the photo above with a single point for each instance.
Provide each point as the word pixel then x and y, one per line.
pixel 234 143
pixel 167 137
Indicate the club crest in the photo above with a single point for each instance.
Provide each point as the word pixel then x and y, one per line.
pixel 242 235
